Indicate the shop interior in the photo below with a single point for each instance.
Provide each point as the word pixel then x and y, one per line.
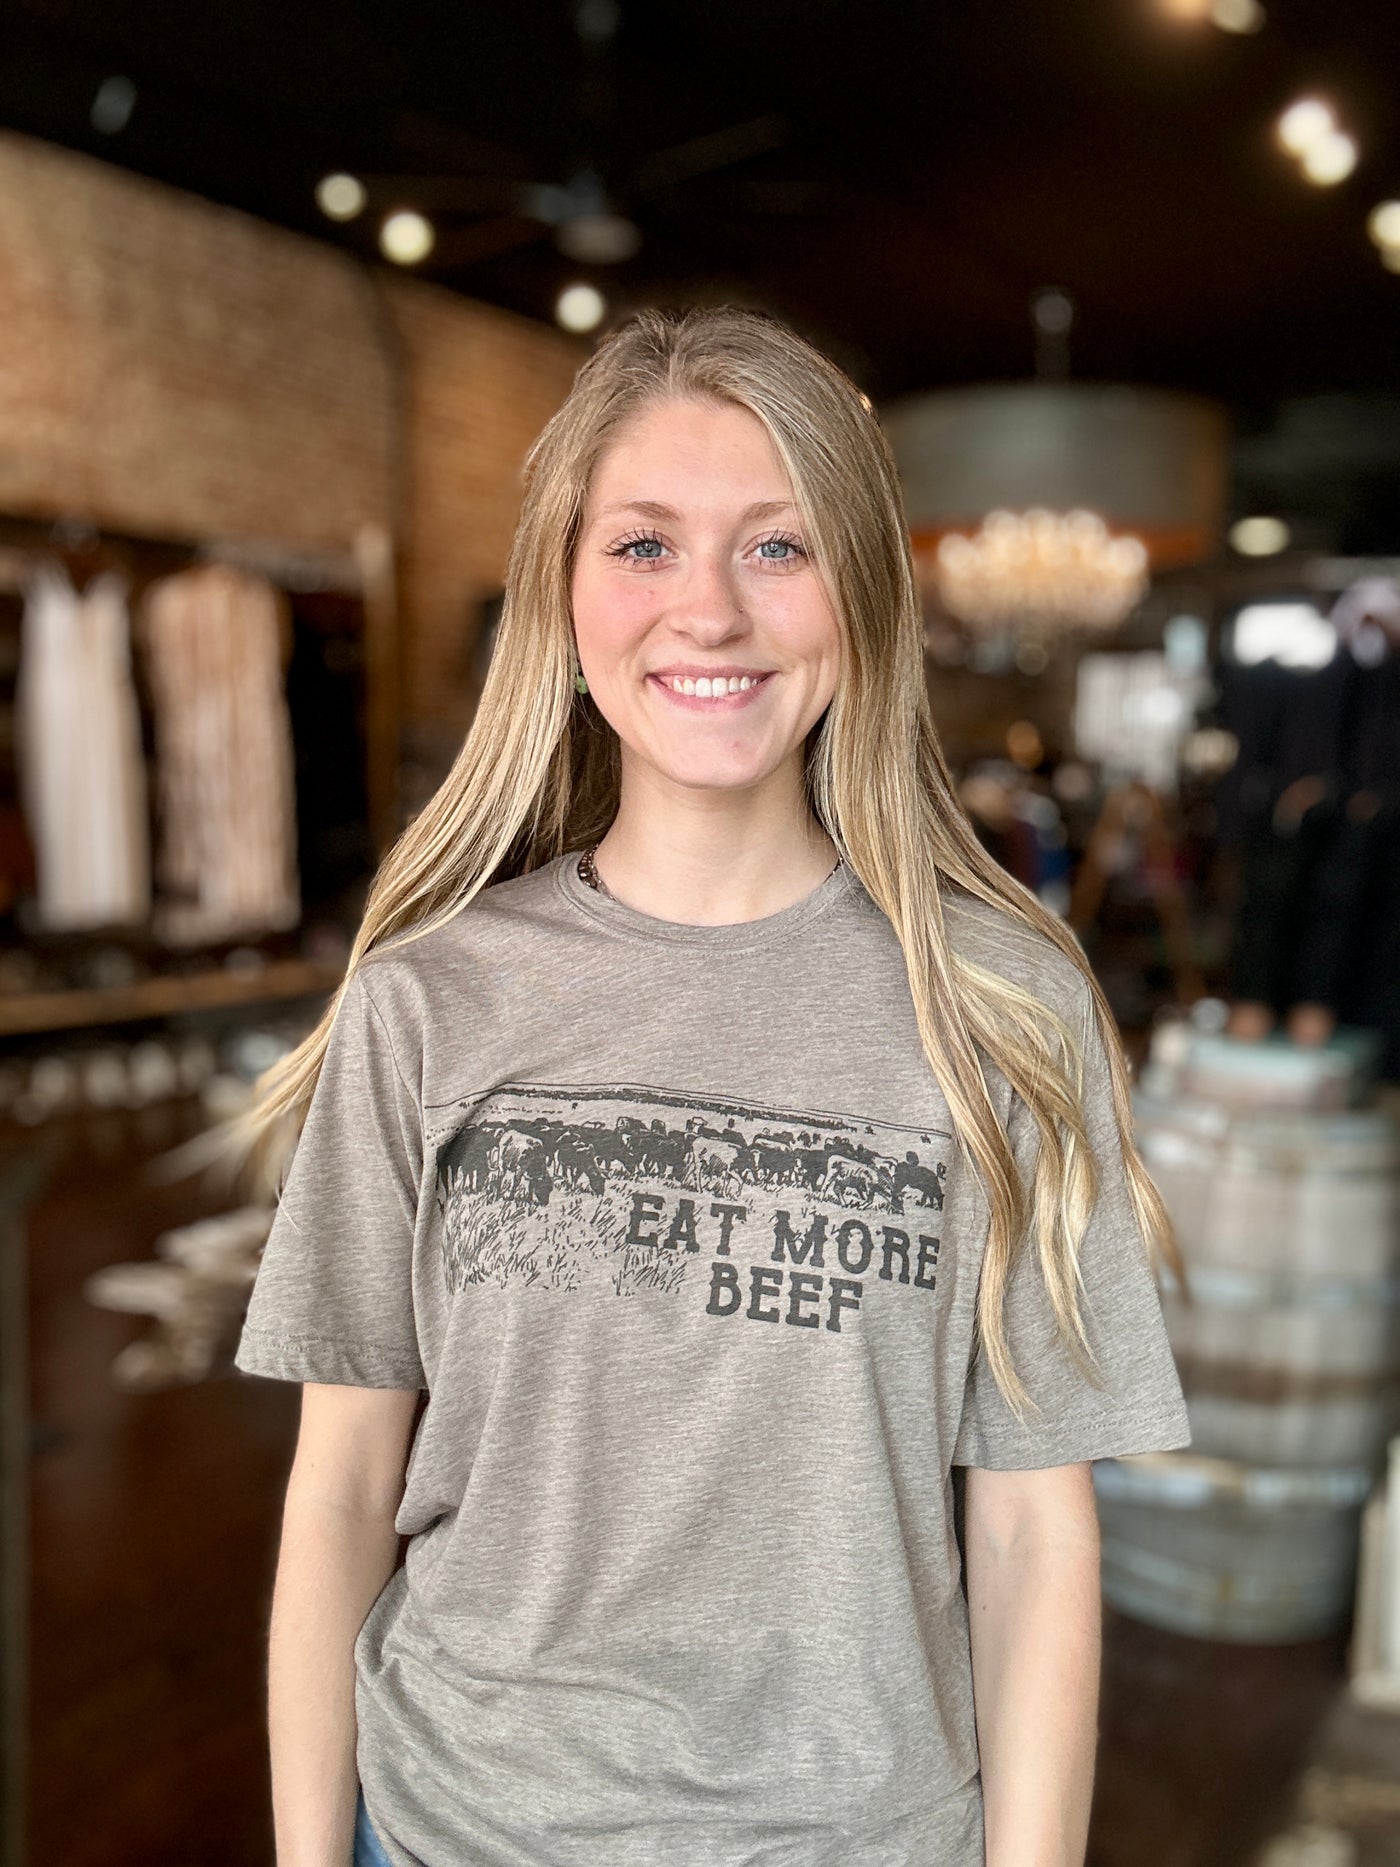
pixel 285 298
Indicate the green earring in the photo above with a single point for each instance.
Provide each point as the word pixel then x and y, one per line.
pixel 581 682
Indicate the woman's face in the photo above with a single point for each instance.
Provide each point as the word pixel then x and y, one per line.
pixel 703 629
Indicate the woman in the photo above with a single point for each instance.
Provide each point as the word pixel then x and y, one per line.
pixel 731 1151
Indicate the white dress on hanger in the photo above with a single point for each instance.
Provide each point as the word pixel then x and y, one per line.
pixel 215 638
pixel 82 774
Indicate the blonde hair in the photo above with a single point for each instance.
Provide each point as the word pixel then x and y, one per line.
pixel 533 781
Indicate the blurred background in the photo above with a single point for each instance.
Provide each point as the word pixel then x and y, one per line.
pixel 285 293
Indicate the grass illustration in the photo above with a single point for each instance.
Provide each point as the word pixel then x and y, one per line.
pixel 578 1239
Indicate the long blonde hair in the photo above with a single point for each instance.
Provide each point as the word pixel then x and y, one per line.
pixel 536 779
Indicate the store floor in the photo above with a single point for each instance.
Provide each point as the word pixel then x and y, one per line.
pixel 152 1535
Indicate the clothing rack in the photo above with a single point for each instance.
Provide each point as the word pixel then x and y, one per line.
pixel 364 573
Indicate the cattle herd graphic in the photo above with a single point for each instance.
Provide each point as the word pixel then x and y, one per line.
pixel 624 1188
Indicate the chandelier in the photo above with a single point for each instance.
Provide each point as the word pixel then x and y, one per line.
pixel 1041 570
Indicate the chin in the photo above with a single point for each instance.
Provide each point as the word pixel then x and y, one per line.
pixel 716 773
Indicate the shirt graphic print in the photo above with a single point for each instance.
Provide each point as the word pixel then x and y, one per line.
pixel 754 1213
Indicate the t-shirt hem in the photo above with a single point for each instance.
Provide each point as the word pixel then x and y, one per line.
pixel 314 1358
pixel 1117 1438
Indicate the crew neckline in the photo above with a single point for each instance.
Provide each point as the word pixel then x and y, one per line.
pixel 736 936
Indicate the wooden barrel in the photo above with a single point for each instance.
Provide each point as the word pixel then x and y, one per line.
pixel 1289 1223
pixel 1227 1551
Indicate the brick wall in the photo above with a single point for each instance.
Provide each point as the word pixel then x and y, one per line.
pixel 178 370
pixel 479 386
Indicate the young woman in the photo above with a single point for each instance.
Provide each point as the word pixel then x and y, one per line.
pixel 731 1154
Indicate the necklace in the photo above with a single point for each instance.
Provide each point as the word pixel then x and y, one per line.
pixel 588 871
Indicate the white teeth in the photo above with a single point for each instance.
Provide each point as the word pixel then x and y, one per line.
pixel 713 686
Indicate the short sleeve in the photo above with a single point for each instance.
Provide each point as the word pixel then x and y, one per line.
pixel 333 1300
pixel 1139 1407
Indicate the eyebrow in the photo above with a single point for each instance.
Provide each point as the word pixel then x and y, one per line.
pixel 654 509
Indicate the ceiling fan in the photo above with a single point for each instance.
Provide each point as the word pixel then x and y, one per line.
pixel 589 212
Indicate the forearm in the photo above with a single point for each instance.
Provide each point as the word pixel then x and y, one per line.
pixel 332 1565
pixel 1035 1616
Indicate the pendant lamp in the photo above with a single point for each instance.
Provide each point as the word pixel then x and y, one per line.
pixel 1046 505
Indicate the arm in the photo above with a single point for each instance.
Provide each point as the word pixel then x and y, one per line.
pixel 1032 1540
pixel 338 1549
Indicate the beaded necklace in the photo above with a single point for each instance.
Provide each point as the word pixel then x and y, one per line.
pixel 588 871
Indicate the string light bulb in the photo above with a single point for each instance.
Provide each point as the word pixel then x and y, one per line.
pixel 1228 15
pixel 1242 16
pixel 340 197
pixel 580 308
pixel 1330 160
pixel 1259 537
pixel 406 237
pixel 1307 122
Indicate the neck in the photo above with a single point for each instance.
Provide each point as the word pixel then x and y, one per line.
pixel 712 857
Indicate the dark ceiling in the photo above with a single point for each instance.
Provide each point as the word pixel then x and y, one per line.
pixel 917 170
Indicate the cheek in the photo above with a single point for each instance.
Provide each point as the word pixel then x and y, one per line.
pixel 810 627
pixel 608 615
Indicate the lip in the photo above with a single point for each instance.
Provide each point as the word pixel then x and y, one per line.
pixel 661 678
pixel 693 670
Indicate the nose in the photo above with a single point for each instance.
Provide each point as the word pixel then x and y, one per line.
pixel 706 602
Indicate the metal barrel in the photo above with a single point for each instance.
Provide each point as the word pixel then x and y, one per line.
pixel 1288 1345
pixel 1225 1551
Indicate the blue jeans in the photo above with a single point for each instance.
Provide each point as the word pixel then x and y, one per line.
pixel 369 1849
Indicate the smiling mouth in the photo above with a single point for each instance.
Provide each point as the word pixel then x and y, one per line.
pixel 709 686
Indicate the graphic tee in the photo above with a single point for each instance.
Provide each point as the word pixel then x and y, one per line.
pixel 669 1222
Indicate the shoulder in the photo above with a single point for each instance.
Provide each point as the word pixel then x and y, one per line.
pixel 998 942
pixel 407 975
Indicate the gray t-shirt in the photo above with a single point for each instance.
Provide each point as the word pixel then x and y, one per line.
pixel 669 1223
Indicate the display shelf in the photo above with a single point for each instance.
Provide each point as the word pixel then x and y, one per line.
pixel 32 1013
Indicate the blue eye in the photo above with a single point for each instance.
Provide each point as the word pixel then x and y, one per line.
pixel 649 555
pixel 790 548
pixel 646 548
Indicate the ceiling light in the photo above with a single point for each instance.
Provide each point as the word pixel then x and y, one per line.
pixel 1237 15
pixel 406 238
pixel 1383 224
pixel 1296 635
pixel 580 308
pixel 1259 537
pixel 340 197
pixel 1049 569
pixel 113 105
pixel 1305 123
pixel 1330 160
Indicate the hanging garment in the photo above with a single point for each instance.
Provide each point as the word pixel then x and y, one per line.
pixel 82 775
pixel 227 854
